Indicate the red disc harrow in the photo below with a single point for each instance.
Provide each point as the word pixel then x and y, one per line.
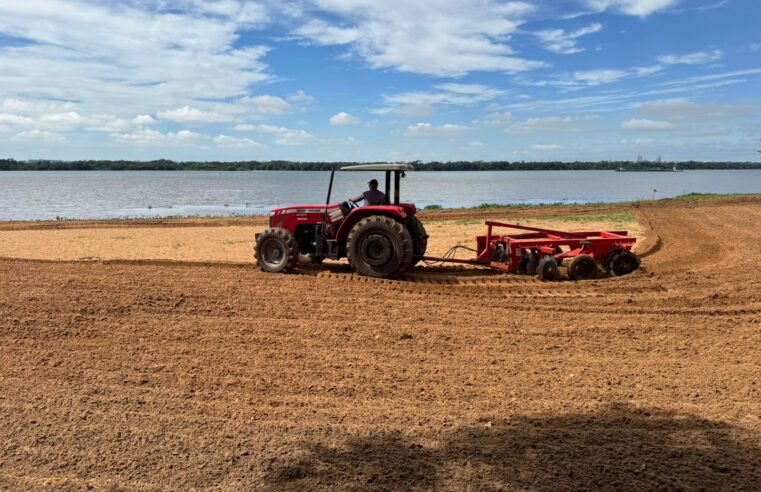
pixel 540 252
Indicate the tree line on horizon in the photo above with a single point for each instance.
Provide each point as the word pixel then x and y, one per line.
pixel 169 165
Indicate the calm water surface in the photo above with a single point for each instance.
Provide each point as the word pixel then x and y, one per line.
pixel 32 195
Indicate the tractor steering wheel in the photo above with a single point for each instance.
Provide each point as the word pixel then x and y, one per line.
pixel 352 204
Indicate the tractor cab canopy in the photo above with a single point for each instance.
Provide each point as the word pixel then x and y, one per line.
pixel 398 169
pixel 380 167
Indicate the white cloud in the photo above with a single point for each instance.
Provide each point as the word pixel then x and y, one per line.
pixel 139 55
pixel 262 128
pixel 409 111
pixel 187 114
pixel 300 97
pixel 294 137
pixel 143 119
pixel 497 118
pixel 551 124
pixel 713 76
pixel 49 116
pixel 546 147
pixel 755 47
pixel 681 109
pixel 426 36
pixel 478 92
pixel 645 125
pixel 148 137
pixel 325 34
pixel 597 77
pixel 244 14
pixel 249 107
pixel 640 8
pixel 234 142
pixel 40 136
pixel 284 135
pixel 644 71
pixel 420 104
pixel 696 58
pixel 343 119
pixel 426 130
pixel 589 78
pixel 564 43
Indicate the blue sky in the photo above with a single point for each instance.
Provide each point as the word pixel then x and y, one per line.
pixel 363 80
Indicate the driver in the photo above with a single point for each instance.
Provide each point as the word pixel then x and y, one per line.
pixel 372 196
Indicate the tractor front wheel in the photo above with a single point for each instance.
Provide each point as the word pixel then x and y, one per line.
pixel 276 251
pixel 379 246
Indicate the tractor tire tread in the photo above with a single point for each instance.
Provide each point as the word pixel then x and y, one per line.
pixel 419 239
pixel 289 241
pixel 401 233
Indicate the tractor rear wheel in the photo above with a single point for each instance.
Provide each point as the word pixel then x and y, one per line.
pixel 379 246
pixel 419 239
pixel 276 251
pixel 583 267
pixel 623 263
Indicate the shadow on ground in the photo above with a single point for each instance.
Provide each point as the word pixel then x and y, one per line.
pixel 619 447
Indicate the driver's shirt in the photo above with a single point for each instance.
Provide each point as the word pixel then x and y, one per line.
pixel 374 197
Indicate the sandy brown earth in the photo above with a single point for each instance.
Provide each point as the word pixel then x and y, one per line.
pixel 155 375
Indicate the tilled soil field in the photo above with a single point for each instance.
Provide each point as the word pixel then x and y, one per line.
pixel 155 375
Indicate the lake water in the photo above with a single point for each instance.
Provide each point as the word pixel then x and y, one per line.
pixel 33 195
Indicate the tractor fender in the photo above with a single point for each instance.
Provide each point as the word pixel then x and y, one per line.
pixel 360 213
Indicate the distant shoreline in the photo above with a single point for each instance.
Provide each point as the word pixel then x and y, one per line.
pixel 167 165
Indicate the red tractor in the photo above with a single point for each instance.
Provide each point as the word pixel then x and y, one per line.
pixel 379 241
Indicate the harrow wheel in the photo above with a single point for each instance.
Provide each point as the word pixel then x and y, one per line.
pixel 547 269
pixel 609 258
pixel 276 251
pixel 623 263
pixel 583 267
pixel 379 246
pixel 559 250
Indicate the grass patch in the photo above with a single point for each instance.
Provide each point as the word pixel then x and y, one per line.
pixel 611 217
pixel 499 205
pixel 533 205
pixel 432 207
pixel 709 196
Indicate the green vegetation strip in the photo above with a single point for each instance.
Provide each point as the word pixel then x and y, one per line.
pixel 713 196
pixel 612 217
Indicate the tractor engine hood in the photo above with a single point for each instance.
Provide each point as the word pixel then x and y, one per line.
pixel 302 209
pixel 313 208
